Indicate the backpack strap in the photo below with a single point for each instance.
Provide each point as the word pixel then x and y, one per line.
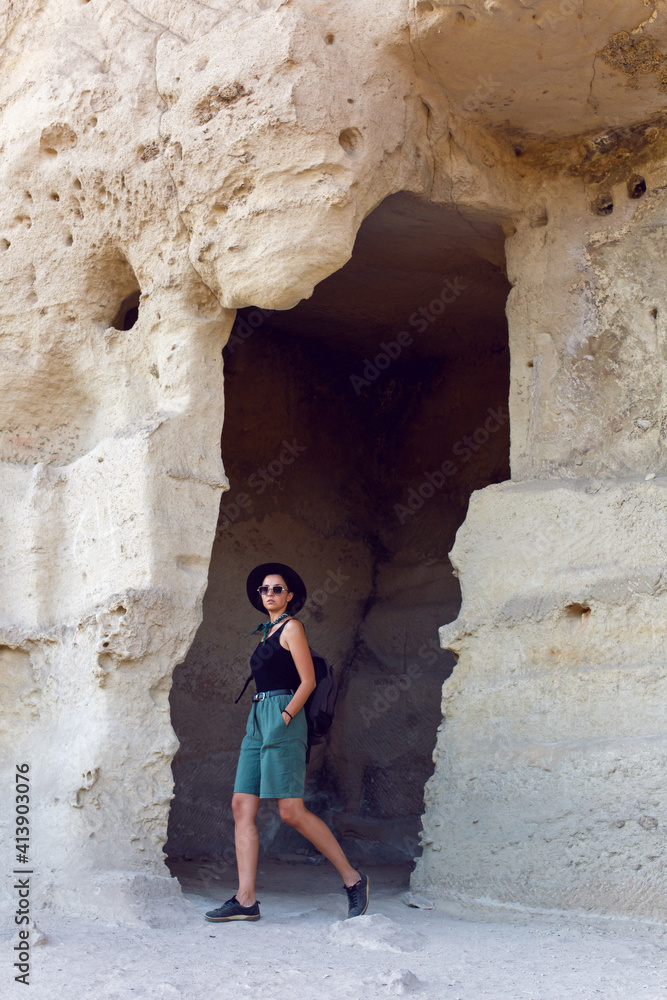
pixel 244 689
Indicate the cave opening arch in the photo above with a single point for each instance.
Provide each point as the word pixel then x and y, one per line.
pixel 357 425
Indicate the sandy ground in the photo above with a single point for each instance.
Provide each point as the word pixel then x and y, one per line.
pixel 302 947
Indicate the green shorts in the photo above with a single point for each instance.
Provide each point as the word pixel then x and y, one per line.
pixel 272 762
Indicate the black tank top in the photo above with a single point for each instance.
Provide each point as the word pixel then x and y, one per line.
pixel 273 666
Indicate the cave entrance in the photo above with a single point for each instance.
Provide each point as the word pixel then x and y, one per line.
pixel 357 425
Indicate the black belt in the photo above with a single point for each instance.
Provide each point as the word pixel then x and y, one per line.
pixel 261 695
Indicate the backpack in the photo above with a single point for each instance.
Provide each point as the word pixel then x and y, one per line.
pixel 320 706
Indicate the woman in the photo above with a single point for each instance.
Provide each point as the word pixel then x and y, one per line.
pixel 272 762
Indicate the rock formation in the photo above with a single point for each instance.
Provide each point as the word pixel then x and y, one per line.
pixel 164 165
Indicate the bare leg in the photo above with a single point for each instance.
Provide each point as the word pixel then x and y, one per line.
pixel 246 838
pixel 310 826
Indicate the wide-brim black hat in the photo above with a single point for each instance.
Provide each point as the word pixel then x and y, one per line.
pixel 291 578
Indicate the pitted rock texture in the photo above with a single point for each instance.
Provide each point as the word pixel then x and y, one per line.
pixel 164 164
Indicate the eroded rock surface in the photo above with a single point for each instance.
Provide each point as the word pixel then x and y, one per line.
pixel 554 720
pixel 163 165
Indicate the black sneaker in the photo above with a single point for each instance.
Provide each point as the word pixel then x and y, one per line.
pixel 232 910
pixel 358 896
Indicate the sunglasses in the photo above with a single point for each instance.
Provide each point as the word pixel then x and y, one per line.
pixel 278 589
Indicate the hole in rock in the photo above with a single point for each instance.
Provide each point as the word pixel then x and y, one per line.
pixel 577 610
pixel 539 218
pixel 636 186
pixel 128 312
pixel 357 425
pixel 350 140
pixel 603 204
pixel 57 138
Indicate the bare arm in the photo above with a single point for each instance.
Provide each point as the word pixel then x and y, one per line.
pixel 293 637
